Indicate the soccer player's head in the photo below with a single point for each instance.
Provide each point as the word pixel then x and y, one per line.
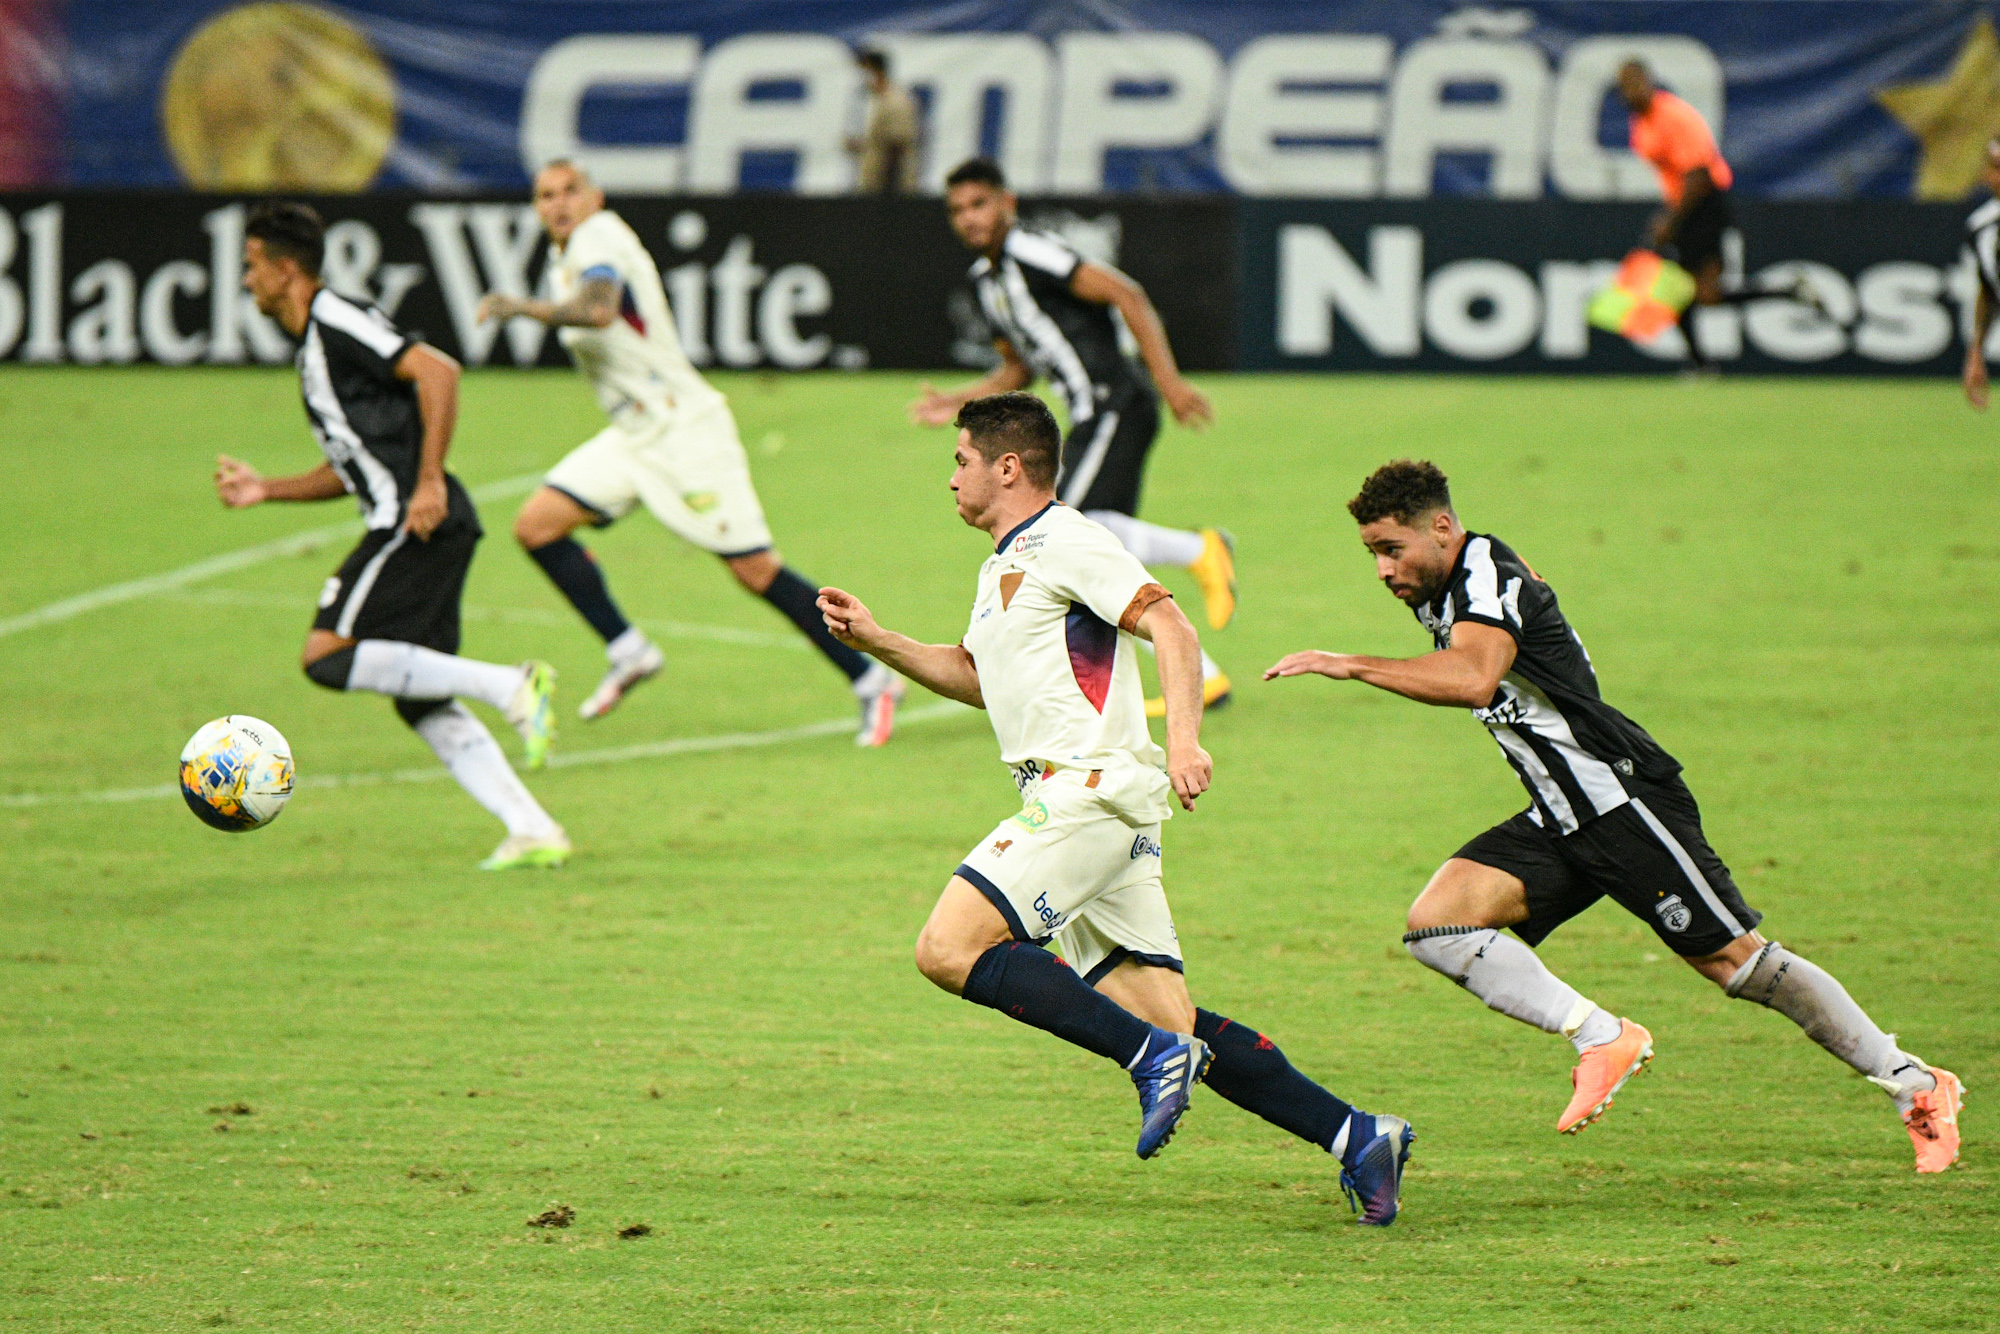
pixel 979 203
pixel 1635 85
pixel 283 244
pixel 1008 445
pixel 564 196
pixel 1406 519
pixel 874 67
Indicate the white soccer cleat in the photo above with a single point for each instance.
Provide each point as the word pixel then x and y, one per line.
pixel 620 678
pixel 880 691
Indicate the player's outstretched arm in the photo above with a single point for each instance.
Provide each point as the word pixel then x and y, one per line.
pixel 1976 391
pixel 240 486
pixel 594 306
pixel 1467 675
pixel 436 376
pixel 946 669
pixel 1177 650
pixel 937 407
pixel 1109 287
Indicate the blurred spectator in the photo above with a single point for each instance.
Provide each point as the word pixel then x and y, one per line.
pixel 887 144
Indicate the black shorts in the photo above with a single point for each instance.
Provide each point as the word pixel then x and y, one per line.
pixel 1699 237
pixel 1649 855
pixel 395 586
pixel 1104 456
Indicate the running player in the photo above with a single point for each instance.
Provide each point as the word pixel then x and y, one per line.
pixel 1051 313
pixel 671 447
pixel 1049 654
pixel 383 406
pixel 1694 179
pixel 1982 239
pixel 1608 816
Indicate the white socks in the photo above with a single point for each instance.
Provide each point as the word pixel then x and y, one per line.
pixel 408 671
pixel 1506 975
pixel 628 646
pixel 1152 544
pixel 1813 999
pixel 476 761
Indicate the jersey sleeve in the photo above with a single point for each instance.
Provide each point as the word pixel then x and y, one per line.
pixel 1091 568
pixel 593 257
pixel 1046 253
pixel 1489 594
pixel 360 339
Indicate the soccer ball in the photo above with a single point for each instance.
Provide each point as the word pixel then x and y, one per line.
pixel 236 773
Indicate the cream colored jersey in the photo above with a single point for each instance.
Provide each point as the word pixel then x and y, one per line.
pixel 1051 635
pixel 635 363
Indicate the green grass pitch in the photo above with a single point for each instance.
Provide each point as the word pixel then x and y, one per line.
pixel 709 1024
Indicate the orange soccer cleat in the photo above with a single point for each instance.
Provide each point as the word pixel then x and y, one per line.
pixel 1601 1071
pixel 1933 1122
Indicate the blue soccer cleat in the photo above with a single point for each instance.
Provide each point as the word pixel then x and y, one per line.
pixel 1166 1073
pixel 1372 1174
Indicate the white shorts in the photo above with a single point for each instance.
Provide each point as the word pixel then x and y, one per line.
pixel 690 472
pixel 1068 868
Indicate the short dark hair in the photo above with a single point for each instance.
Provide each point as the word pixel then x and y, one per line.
pixel 977 171
pixel 290 230
pixel 1405 491
pixel 875 60
pixel 1018 424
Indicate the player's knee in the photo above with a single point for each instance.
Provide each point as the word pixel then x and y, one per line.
pixel 533 530
pixel 332 669
pixel 943 960
pixel 757 570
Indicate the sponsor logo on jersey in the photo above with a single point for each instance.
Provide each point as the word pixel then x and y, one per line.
pixel 329 592
pixel 701 502
pixel 1144 847
pixel 1027 542
pixel 1673 914
pixel 1026 772
pixel 1507 711
pixel 1051 919
pixel 1035 816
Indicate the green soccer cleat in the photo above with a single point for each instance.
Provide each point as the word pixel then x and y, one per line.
pixel 532 712
pixel 529 851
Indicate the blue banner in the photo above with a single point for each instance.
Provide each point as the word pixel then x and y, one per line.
pixel 1341 99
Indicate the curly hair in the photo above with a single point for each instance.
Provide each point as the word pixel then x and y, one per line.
pixel 1405 491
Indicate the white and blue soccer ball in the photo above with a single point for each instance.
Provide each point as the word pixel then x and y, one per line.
pixel 236 773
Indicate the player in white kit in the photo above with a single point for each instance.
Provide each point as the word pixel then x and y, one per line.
pixel 671 446
pixel 1050 654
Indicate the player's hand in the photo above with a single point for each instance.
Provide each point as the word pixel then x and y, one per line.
pixel 237 483
pixel 1976 392
pixel 428 505
pixel 932 408
pixel 1189 405
pixel 1310 663
pixel 1190 771
pixel 848 618
pixel 494 306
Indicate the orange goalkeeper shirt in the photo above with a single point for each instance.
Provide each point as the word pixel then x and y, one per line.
pixel 1673 137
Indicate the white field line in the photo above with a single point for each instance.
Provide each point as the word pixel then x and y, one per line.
pixel 644 750
pixel 720 634
pixel 171 580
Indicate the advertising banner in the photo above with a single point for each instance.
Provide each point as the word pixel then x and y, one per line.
pixel 1484 285
pixel 771 283
pixel 1341 99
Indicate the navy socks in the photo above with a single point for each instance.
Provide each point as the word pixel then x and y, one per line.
pixel 1029 984
pixel 799 601
pixel 570 568
pixel 1251 1072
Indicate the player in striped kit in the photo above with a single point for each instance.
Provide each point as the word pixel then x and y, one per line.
pixel 1608 817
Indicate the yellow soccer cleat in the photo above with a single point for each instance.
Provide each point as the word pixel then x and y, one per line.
pixel 1601 1071
pixel 1215 571
pixel 526 851
pixel 532 712
pixel 1215 693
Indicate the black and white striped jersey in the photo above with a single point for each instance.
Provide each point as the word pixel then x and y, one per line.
pixel 1573 752
pixel 1070 342
pixel 1982 238
pixel 365 418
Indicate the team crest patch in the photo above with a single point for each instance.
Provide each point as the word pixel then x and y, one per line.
pixel 1001 845
pixel 1034 816
pixel 329 592
pixel 701 502
pixel 1673 914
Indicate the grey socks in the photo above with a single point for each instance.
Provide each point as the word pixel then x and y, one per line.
pixel 1506 975
pixel 1813 999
